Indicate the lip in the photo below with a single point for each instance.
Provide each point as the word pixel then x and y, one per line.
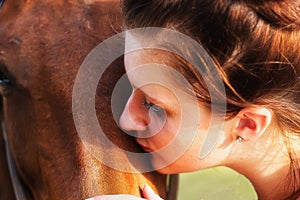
pixel 145 148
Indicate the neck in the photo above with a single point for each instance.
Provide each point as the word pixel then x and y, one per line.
pixel 272 186
pixel 268 170
pixel 268 183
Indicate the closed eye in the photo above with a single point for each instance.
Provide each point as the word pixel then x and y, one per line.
pixel 151 106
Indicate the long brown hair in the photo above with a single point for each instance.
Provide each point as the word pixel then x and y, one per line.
pixel 255 44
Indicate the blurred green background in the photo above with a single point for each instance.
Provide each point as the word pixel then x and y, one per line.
pixel 218 183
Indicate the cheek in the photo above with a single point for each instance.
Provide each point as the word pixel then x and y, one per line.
pixel 165 136
pixel 167 133
pixel 189 160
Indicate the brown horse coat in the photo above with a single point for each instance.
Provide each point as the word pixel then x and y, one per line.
pixel 42 45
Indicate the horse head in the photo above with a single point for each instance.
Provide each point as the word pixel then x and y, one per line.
pixel 42 45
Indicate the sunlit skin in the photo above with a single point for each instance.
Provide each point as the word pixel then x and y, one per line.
pixel 260 156
pixel 136 117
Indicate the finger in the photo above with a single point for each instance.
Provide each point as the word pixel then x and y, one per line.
pixel 149 194
pixel 116 197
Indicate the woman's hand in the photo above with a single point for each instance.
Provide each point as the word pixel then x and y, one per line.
pixel 148 194
pixel 116 197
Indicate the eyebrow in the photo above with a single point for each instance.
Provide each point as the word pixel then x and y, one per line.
pixel 153 100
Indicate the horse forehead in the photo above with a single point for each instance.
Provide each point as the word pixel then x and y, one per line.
pixel 33 47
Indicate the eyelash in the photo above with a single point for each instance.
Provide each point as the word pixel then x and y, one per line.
pixel 148 105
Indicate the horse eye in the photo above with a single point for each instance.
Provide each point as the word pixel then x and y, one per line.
pixel 1 3
pixel 5 81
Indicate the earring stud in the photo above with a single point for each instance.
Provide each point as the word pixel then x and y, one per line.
pixel 239 139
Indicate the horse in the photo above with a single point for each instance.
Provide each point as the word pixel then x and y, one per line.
pixel 42 46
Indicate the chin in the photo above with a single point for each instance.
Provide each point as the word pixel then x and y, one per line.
pixel 160 166
pixel 174 167
pixel 165 171
pixel 163 168
pixel 172 170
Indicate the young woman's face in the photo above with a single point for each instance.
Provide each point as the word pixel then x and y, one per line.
pixel 170 123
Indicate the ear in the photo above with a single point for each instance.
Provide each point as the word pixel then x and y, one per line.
pixel 251 123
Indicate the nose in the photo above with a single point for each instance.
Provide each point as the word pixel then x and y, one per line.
pixel 135 117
